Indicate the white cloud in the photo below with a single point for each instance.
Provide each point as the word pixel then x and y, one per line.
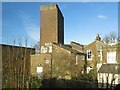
pixel 31 28
pixel 102 16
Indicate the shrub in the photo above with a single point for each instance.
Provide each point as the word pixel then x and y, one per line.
pixel 117 87
pixel 34 82
pixel 86 77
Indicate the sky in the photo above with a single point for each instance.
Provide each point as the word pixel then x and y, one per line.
pixel 82 21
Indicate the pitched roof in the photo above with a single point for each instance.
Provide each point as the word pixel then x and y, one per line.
pixel 110 68
pixel 73 50
pixel 17 46
pixel 76 43
pixel 70 49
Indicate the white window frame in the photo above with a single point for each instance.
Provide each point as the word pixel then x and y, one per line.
pixel 47 61
pixel 76 63
pixel 101 55
pixel 110 58
pixel 88 53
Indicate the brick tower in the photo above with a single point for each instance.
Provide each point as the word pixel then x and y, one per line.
pixel 51 25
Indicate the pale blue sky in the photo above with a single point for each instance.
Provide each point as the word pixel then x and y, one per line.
pixel 82 21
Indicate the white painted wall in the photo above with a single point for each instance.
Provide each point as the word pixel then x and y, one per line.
pixel 88 69
pixel 110 77
pixel 98 66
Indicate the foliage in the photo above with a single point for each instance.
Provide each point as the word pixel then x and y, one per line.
pixel 16 63
pixel 86 77
pixel 62 83
pixel 37 47
pixel 80 84
pixel 117 87
pixel 34 82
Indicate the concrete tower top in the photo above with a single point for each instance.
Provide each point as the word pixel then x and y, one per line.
pixel 48 7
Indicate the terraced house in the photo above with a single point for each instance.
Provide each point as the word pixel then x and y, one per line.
pixel 109 72
pixel 104 60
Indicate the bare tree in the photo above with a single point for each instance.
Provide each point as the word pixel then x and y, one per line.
pixel 111 37
pixel 37 47
pixel 16 65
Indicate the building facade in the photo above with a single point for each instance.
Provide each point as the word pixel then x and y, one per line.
pixel 15 65
pixel 111 72
pixel 59 60
pixel 104 59
pixel 51 25
pixel 54 54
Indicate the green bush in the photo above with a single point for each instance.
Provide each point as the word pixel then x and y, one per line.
pixel 34 82
pixel 80 84
pixel 86 77
pixel 117 87
pixel 61 83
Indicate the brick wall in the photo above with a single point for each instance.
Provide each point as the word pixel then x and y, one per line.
pixel 15 65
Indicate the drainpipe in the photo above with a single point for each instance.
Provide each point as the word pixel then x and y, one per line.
pixel 85 65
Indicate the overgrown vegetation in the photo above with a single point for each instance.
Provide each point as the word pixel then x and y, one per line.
pixel 62 83
pixel 86 77
pixel 16 65
pixel 34 82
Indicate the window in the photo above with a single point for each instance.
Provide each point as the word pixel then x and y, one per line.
pixel 47 62
pixel 76 60
pixel 111 57
pixel 89 55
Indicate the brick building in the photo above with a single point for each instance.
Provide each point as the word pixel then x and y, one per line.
pixel 52 25
pixel 56 58
pixel 15 65
pixel 62 60
pixel 104 59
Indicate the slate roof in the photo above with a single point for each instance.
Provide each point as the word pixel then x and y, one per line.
pixel 110 68
pixel 77 43
pixel 73 50
pixel 70 49
pixel 17 46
